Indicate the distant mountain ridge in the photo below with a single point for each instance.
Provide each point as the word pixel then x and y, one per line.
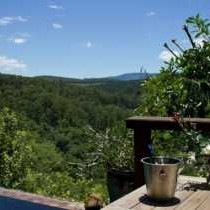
pixel 121 77
pixel 133 76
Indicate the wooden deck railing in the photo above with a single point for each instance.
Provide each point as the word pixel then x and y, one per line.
pixel 143 127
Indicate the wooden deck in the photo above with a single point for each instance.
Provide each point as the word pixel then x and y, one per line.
pixel 192 193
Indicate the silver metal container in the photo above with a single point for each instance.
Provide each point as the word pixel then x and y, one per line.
pixel 161 176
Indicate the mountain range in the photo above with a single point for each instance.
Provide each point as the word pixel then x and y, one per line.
pixel 121 77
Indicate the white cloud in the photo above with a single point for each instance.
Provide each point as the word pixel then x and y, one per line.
pixel 4 21
pixel 149 14
pixel 21 19
pixel 57 26
pixel 19 40
pixel 166 55
pixel 55 6
pixel 11 64
pixel 89 44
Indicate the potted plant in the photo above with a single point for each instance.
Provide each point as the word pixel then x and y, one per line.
pixel 114 148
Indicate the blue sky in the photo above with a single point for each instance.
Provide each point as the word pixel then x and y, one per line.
pixel 90 38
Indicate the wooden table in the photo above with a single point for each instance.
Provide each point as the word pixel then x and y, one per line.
pixel 192 193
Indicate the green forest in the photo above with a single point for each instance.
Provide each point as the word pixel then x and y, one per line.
pixel 47 131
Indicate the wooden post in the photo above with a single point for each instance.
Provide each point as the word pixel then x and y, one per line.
pixel 142 139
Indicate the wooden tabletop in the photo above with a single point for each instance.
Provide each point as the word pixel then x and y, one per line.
pixel 192 193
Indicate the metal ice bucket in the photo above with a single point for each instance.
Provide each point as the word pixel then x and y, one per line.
pixel 160 175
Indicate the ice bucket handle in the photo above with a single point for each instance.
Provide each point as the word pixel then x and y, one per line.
pixel 162 173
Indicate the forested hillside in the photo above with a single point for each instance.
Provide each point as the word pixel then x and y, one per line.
pixel 54 116
pixel 60 103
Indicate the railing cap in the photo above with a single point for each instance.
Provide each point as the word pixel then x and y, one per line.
pixel 167 123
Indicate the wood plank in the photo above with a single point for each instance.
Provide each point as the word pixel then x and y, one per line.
pixel 194 201
pixel 128 201
pixel 190 179
pixel 115 208
pixel 181 196
pixel 166 123
pixel 142 205
pixel 167 119
pixel 205 205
